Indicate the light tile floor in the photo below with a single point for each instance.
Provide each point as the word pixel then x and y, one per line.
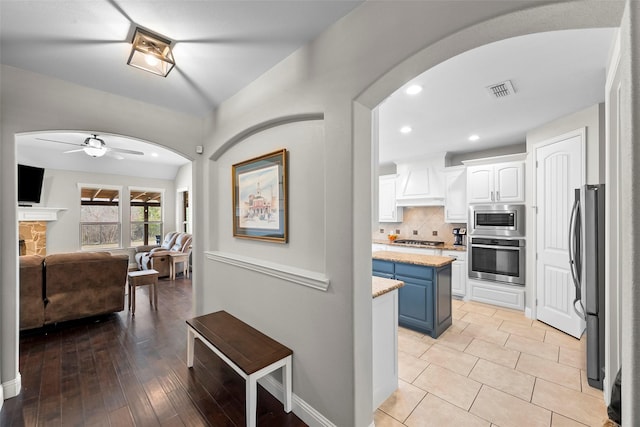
pixel 492 367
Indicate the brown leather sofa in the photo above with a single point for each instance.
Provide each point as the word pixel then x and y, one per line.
pixel 70 286
pixel 157 257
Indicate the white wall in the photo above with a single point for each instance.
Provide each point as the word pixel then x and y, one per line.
pixel 363 58
pixel 61 190
pixel 183 182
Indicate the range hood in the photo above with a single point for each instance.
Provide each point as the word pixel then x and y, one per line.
pixel 421 183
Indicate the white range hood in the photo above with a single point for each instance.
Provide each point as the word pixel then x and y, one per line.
pixel 421 182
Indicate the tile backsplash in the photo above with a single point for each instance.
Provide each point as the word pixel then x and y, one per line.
pixel 425 220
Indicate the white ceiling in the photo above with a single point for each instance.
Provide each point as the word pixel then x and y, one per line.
pixel 221 46
pixel 554 74
pixel 157 162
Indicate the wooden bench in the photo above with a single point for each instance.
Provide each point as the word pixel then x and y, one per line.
pixel 248 351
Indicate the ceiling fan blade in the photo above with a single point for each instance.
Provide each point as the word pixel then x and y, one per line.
pixel 61 142
pixel 114 155
pixel 73 151
pixel 122 150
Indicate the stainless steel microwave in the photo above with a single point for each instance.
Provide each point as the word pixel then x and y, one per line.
pixel 497 220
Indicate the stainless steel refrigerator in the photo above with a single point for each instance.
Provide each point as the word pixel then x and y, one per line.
pixel 586 256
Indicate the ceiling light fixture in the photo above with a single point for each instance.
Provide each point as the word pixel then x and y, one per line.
pixel 95 147
pixel 151 52
pixel 405 129
pixel 474 137
pixel 413 90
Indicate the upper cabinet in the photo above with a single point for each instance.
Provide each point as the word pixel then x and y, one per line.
pixel 388 211
pixel 496 183
pixel 455 203
pixel 420 183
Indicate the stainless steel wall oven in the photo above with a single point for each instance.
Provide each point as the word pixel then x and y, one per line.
pixel 501 260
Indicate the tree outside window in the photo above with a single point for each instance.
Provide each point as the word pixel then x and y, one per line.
pixel 146 217
pixel 99 218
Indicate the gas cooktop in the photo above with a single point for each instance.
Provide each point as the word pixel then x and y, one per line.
pixel 419 242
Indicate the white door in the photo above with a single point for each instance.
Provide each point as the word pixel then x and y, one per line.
pixel 559 171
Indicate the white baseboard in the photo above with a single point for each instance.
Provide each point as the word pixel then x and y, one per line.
pixel 12 387
pixel 527 313
pixel 302 409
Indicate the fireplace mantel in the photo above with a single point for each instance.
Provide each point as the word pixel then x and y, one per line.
pixel 38 213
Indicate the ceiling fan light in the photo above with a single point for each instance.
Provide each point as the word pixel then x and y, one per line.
pixel 95 151
pixel 152 53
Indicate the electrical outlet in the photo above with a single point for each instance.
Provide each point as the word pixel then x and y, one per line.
pixel 415 232
pixel 434 233
pixel 397 231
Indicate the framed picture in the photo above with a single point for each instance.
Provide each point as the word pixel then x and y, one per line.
pixel 260 197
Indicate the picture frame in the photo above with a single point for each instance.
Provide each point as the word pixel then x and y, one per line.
pixel 259 188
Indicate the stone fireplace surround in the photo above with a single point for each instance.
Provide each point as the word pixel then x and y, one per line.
pixel 32 229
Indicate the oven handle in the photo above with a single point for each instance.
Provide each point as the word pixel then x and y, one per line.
pixel 510 248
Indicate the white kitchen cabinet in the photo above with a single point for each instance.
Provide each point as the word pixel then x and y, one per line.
pixel 455 202
pixel 416 250
pixel 496 293
pixel 375 247
pixel 496 183
pixel 458 272
pixel 388 211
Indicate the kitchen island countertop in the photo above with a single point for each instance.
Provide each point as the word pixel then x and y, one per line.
pixel 381 285
pixel 426 260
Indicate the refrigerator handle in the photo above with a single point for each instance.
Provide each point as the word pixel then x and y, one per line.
pixel 573 230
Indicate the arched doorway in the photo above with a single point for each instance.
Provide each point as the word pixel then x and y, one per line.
pixel 476 36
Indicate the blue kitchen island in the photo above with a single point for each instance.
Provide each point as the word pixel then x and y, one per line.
pixel 424 302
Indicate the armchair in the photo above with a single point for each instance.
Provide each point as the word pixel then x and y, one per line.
pixel 142 252
pixel 159 258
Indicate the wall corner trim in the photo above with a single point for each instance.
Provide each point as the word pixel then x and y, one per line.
pixel 295 275
pixel 302 409
pixel 12 387
pixel 262 126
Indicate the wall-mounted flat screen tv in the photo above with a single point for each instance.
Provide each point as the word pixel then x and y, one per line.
pixel 29 184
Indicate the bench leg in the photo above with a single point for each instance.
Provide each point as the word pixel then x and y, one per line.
pixel 286 383
pixel 252 397
pixel 190 342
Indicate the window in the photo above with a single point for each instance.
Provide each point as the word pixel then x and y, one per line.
pixel 146 217
pixel 99 218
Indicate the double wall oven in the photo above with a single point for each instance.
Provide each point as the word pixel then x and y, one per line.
pixel 497 244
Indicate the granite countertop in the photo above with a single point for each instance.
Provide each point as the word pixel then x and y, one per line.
pixel 446 246
pixel 426 260
pixel 380 285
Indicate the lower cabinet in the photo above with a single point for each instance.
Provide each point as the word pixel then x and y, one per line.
pixel 424 302
pixel 459 272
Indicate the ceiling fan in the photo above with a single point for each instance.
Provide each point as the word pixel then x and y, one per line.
pixel 95 147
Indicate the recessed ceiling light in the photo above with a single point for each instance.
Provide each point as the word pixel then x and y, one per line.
pixel 413 90
pixel 474 137
pixel 405 129
pixel 154 154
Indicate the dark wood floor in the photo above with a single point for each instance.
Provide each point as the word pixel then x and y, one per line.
pixel 122 371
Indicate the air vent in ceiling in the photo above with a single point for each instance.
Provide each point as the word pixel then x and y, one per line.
pixel 500 90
